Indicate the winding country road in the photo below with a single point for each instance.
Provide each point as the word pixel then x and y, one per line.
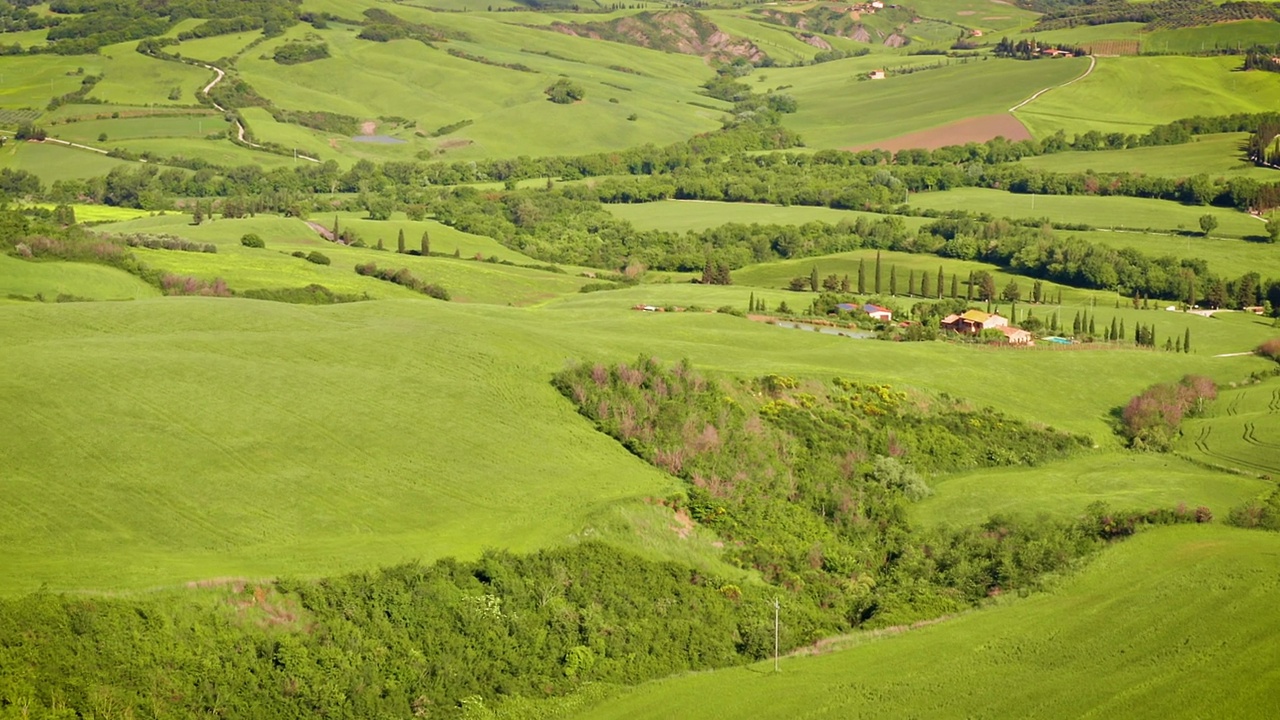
pixel 236 120
pixel 240 130
pixel 1092 63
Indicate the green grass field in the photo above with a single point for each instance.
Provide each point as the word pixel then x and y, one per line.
pixel 135 79
pixel 1177 622
pixel 1214 155
pixel 683 215
pixel 1241 430
pixel 1132 94
pixel 1102 212
pixel 837 110
pixel 1226 256
pixel 51 279
pixel 975 13
pixel 1222 35
pixel 191 127
pixel 256 402
pixel 56 162
pixel 1064 489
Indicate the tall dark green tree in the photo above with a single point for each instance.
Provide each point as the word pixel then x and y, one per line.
pixel 955 286
pixel 862 276
pixel 893 279
pixel 400 242
pixel 426 244
pixel 1186 341
pixel 877 272
pixel 940 281
pixel 813 278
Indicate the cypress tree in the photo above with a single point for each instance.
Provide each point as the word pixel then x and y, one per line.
pixel 1186 341
pixel 940 280
pixel 1115 330
pixel 813 278
pixel 1093 331
pixel 1177 346
pixel 1151 335
pixel 844 284
pixel 969 294
pixel 426 244
pixel 380 244
pixel 862 276
pixel 955 286
pixel 926 290
pixel 911 281
pixel 1122 333
pixel 751 304
pixel 336 234
pixel 1075 324
pixel 400 242
pixel 877 272
pixel 893 279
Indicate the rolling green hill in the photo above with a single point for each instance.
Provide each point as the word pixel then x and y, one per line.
pixel 1176 622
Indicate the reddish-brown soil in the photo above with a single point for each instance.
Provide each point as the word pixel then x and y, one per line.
pixel 979 129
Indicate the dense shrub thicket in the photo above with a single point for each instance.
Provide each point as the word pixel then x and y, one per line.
pixel 1151 420
pixel 810 481
pixel 404 278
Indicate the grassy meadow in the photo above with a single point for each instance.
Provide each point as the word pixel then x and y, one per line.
pixel 685 215
pixel 1241 430
pixel 1176 622
pixel 831 94
pixel 1132 94
pixel 1064 489
pixel 1219 155
pixel 1102 212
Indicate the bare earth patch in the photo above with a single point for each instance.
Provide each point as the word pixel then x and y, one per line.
pixel 979 129
pixel 368 127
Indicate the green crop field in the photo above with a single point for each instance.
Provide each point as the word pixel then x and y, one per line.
pixel 182 126
pixel 57 162
pixel 52 279
pixel 1064 489
pixel 1103 212
pixel 1194 604
pixel 680 215
pixel 1225 256
pixel 975 13
pixel 1241 431
pixel 1131 94
pixel 1232 35
pixel 135 79
pixel 1219 155
pixel 830 95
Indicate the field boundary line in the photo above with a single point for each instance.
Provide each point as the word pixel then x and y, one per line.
pixel 1092 63
pixel 76 145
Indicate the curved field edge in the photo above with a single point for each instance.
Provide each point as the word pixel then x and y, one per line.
pixel 1177 622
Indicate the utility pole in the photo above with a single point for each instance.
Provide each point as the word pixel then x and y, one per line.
pixel 775 634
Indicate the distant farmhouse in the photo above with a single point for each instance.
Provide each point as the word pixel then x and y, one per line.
pixel 972 322
pixel 875 311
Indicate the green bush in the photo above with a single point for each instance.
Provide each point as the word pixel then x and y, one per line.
pixel 252 240
pixel 564 92
pixel 318 257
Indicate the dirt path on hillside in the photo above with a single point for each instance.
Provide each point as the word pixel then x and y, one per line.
pixel 1093 62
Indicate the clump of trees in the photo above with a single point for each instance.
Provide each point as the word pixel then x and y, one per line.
pixel 296 52
pixel 565 91
pixel 252 240
pixel 403 278
pixel 1151 420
